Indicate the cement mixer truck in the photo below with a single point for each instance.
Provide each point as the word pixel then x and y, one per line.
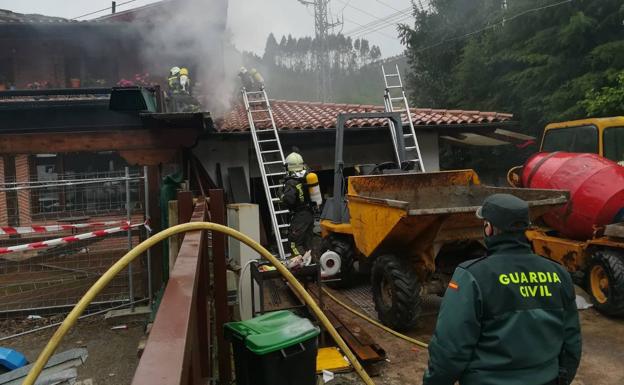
pixel 587 234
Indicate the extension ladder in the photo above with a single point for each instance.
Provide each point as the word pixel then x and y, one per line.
pixel 270 161
pixel 396 101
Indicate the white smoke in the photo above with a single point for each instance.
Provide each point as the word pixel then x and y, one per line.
pixel 191 33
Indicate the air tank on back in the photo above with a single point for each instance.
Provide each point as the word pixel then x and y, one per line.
pixel 596 188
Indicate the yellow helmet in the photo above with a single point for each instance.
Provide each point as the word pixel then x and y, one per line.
pixel 184 71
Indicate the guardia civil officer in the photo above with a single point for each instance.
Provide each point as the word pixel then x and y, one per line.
pixel 510 317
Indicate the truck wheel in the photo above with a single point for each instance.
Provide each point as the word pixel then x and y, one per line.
pixel 396 292
pixel 347 275
pixel 605 282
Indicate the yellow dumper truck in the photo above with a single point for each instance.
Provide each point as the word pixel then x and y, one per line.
pixel 408 230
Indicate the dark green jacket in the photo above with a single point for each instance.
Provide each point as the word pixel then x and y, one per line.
pixel 506 319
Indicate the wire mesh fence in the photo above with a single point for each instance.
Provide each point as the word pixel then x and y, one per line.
pixel 53 279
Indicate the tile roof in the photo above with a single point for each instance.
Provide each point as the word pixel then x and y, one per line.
pixel 295 115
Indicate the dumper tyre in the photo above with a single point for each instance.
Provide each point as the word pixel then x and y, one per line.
pixel 605 282
pixel 396 292
pixel 347 276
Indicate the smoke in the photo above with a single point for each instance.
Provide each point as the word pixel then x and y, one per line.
pixel 192 34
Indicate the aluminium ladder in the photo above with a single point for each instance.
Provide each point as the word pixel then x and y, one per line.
pixel 270 161
pixel 396 101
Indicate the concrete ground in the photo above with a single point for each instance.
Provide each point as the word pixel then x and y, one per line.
pixel 602 361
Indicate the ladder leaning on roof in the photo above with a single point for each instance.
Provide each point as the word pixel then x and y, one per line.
pixel 270 160
pixel 396 101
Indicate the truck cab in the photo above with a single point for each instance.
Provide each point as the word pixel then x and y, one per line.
pixel 602 136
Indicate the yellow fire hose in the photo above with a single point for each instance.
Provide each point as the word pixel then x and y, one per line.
pixel 373 322
pixel 101 283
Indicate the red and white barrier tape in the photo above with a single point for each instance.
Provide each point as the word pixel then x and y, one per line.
pixel 69 239
pixel 7 230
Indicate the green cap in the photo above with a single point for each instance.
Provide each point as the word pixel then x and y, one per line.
pixel 506 212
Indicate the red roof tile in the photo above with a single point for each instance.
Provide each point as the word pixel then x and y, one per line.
pixel 294 115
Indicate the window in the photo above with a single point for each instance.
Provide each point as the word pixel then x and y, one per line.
pixel 571 139
pixel 613 139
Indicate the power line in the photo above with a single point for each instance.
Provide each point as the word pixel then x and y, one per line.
pixel 102 10
pixel 359 9
pixel 491 26
pixel 385 21
pixel 394 23
pixel 379 32
pixel 387 5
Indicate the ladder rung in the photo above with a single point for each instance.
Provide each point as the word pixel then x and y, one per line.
pixel 410 148
pixel 282 212
pixel 397 98
pixel 399 110
pixel 258 110
pixel 393 87
pixel 267 140
pixel 273 162
pixel 253 92
pixel 407 135
pixel 261 121
pixel 392 75
pixel 276 186
pixel 269 152
pixel 284 226
pixel 257 101
pixel 276 174
pixel 268 129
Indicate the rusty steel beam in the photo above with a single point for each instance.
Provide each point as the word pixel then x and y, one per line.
pixel 222 313
pixel 175 352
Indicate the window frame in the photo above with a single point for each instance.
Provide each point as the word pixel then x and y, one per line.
pixel 597 133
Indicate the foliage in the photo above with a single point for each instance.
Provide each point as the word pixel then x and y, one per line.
pixel 608 101
pixel 289 70
pixel 543 63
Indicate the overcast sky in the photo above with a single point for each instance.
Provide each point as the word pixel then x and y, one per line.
pixel 252 20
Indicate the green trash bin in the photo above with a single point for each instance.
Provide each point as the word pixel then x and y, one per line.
pixel 277 348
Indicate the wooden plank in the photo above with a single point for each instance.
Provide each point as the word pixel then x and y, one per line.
pixel 174 242
pixel 118 140
pixel 168 356
pixel 359 341
pixel 148 157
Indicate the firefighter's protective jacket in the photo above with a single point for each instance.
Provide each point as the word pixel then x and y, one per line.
pixel 506 319
pixel 294 194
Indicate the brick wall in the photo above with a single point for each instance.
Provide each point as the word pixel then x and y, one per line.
pixel 24 203
pixel 4 215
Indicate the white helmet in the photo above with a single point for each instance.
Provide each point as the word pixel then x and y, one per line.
pixel 294 162
pixel 174 71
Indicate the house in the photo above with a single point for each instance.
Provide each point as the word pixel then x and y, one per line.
pixel 138 46
pixel 311 128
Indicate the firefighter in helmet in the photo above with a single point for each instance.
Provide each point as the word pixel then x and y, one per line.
pixel 174 80
pixel 185 80
pixel 301 195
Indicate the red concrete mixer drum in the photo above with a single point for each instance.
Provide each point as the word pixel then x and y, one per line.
pixel 596 188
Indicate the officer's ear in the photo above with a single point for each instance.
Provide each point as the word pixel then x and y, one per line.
pixel 488 229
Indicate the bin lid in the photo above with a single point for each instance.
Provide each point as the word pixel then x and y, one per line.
pixel 273 331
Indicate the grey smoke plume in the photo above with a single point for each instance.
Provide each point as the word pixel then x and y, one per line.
pixel 192 34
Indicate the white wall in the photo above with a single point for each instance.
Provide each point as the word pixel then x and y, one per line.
pixel 317 149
